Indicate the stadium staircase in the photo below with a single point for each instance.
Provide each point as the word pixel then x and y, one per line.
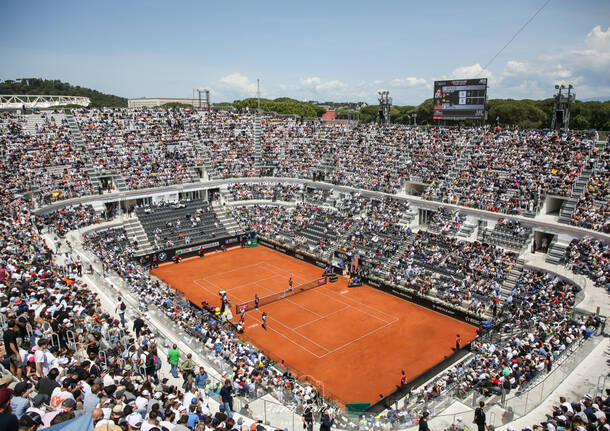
pixel 568 207
pixel 407 217
pixel 226 219
pixel 134 229
pixel 316 232
pixel 79 141
pixel 119 180
pixel 226 195
pixel 393 260
pixel 556 252
pixel 455 169
pixel 466 231
pixel 258 148
pixel 461 162
pixel 512 278
pixel 206 166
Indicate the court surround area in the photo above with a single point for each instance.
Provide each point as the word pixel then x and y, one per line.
pixel 356 341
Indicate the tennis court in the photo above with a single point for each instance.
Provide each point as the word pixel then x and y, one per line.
pixel 356 341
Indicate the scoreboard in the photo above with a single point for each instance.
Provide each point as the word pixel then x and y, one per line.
pixel 460 99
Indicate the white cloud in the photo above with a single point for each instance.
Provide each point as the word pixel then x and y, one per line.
pixel 585 66
pixel 409 81
pixel 470 72
pixel 515 67
pixel 239 82
pixel 331 85
pixel 598 40
pixel 309 82
pixel 316 84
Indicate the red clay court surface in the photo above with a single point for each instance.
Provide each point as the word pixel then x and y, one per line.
pixel 356 340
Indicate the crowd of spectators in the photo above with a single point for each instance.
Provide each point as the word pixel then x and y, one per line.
pixel 149 147
pixel 587 414
pixel 64 356
pixel 228 145
pixel 86 360
pixel 67 218
pixel 593 208
pixel 378 234
pixel 60 344
pixel 590 257
pixel 447 221
pixel 292 223
pixel 538 327
pixel 274 191
pixel 506 171
pixel 43 157
pixel 467 274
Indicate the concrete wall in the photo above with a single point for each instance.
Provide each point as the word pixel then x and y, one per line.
pixel 159 101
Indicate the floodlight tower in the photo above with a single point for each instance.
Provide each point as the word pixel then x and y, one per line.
pixel 385 104
pixel 206 94
pixel 561 107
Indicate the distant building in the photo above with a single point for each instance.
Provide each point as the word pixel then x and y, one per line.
pixel 160 101
pixel 328 115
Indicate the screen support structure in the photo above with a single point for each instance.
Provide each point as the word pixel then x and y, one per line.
pixel 385 104
pixel 561 107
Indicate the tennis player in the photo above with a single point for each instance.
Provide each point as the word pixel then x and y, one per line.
pixel 264 318
pixel 256 300
pixel 290 284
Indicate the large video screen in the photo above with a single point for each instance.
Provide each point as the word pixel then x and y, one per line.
pixel 460 99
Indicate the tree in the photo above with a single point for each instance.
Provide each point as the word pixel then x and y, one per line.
pixel 579 122
pixel 56 87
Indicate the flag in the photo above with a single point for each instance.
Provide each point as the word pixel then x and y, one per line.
pixel 81 423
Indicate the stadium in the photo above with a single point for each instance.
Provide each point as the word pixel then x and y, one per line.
pixel 199 266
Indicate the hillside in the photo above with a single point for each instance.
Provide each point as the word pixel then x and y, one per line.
pixel 56 87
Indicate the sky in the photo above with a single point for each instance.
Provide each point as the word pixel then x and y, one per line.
pixel 309 50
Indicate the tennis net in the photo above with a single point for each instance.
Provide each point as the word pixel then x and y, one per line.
pixel 264 300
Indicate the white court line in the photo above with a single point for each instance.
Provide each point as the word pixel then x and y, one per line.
pixel 207 288
pixel 359 338
pixel 291 340
pixel 255 282
pixel 241 285
pixel 304 308
pixel 288 300
pixel 334 298
pixel 287 272
pixel 296 278
pixel 296 332
pixel 319 290
pixel 392 321
pixel 285 298
pixel 231 270
pixel 320 318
